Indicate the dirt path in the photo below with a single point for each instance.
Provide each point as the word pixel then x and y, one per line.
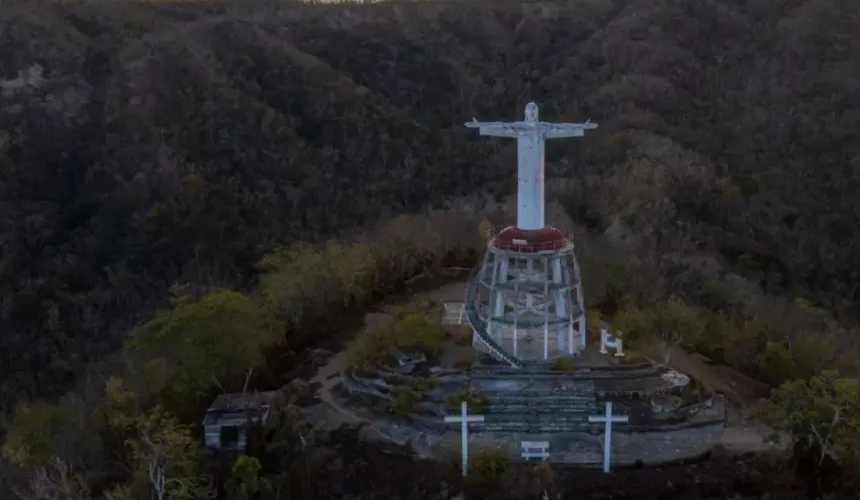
pixel 743 433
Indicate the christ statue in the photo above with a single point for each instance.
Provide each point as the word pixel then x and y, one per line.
pixel 530 134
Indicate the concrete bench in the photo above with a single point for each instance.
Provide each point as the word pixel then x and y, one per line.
pixel 535 449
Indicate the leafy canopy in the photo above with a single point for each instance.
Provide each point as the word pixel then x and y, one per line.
pixel 32 433
pixel 824 411
pixel 245 482
pixel 184 350
pixel 165 457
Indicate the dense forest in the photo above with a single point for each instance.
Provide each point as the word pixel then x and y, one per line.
pixel 153 151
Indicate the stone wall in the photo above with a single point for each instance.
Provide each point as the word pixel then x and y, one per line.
pixel 586 448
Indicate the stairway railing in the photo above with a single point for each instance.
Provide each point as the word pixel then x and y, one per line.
pixel 479 326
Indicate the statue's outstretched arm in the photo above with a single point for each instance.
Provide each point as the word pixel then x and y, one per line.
pixel 495 129
pixel 561 130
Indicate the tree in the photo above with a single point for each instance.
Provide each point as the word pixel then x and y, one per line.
pixel 164 456
pixel 775 364
pixel 245 482
pixel 304 282
pixel 55 480
pixel 29 440
pixel 593 319
pixel 118 409
pixel 41 432
pixel 185 350
pixel 631 325
pixel 669 325
pixel 418 332
pixel 675 324
pixel 823 412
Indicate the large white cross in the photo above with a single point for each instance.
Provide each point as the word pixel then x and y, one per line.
pixel 607 419
pixel 531 134
pixel 464 418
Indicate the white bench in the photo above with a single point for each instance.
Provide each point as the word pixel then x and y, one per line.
pixel 535 449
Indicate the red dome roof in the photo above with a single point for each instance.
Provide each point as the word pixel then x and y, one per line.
pixel 530 240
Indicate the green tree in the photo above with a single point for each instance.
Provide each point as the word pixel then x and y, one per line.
pixel 186 349
pixel 824 412
pixel 245 482
pixel 615 298
pixel 775 363
pixel 593 318
pixel 419 332
pixel 164 457
pixel 118 408
pixel 675 324
pixel 631 325
pixel 304 282
pixel 40 431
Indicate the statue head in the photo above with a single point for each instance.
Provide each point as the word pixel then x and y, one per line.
pixel 531 112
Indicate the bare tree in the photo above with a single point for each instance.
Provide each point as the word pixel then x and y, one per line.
pixel 165 451
pixel 55 481
pixel 674 325
pixel 669 341
pixel 825 440
pixel 162 479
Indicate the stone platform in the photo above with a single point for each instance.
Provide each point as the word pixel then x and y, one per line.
pixel 534 404
pixel 577 443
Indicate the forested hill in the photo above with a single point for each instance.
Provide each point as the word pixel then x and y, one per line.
pixel 147 144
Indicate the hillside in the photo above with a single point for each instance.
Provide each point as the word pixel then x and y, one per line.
pixel 148 144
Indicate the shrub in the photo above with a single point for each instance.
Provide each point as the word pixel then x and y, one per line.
pixel 372 346
pixel 421 384
pixel 487 464
pixel 775 363
pixel 564 364
pixel 418 332
pixel 476 401
pixel 405 402
pixel 414 332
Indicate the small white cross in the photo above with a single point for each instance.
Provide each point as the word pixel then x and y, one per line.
pixel 607 419
pixel 464 418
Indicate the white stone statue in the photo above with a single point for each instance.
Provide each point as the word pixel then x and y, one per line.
pixel 531 134
pixel 610 341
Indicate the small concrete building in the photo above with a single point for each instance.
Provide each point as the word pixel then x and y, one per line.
pixel 225 424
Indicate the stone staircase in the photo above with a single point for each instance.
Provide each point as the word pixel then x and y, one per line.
pixel 532 403
pixel 539 411
pixel 530 423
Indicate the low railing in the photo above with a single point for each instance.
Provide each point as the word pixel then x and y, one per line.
pixel 525 248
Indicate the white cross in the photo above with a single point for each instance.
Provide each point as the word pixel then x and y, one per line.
pixel 607 419
pixel 464 418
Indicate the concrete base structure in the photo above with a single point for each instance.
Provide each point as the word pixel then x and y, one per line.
pixel 525 302
pixel 520 410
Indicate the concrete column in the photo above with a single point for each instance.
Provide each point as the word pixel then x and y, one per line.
pixel 570 339
pixel 546 344
pixel 546 299
pixel 516 334
pixel 502 277
pixel 530 300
